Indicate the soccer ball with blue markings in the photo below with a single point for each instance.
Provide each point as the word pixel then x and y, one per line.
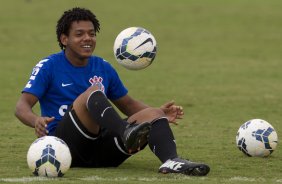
pixel 49 156
pixel 256 138
pixel 135 48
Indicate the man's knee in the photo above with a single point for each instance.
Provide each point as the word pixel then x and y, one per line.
pixel 81 100
pixel 90 90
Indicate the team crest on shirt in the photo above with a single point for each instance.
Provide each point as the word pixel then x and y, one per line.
pixel 97 81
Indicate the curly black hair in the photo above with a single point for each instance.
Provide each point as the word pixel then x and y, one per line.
pixel 75 14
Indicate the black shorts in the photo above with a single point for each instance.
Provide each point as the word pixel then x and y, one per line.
pixel 88 150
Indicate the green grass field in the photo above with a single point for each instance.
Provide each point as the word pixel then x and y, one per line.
pixel 219 59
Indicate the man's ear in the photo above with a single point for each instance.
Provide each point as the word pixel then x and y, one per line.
pixel 64 39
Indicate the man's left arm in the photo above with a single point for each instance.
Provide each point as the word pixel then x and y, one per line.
pixel 129 106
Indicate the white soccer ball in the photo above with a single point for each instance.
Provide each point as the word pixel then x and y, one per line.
pixel 49 156
pixel 135 48
pixel 256 138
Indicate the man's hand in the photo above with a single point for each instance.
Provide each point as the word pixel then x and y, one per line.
pixel 41 124
pixel 172 112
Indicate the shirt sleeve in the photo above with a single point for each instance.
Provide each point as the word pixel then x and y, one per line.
pixel 39 79
pixel 116 87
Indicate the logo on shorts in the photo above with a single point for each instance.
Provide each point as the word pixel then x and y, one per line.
pixel 97 81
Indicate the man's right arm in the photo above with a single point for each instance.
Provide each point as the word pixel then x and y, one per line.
pixel 24 109
pixel 25 114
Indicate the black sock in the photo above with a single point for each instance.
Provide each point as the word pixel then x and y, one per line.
pixel 104 113
pixel 161 140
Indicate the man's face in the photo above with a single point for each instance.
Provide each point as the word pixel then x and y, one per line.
pixel 81 40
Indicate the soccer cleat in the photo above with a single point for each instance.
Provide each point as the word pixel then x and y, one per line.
pixel 178 165
pixel 136 136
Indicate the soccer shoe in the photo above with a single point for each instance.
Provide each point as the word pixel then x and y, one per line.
pixel 178 165
pixel 136 136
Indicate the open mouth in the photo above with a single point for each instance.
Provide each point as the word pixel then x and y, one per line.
pixel 86 46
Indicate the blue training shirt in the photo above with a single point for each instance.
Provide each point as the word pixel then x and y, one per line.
pixel 57 83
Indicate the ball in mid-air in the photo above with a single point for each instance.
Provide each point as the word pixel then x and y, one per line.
pixel 135 48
